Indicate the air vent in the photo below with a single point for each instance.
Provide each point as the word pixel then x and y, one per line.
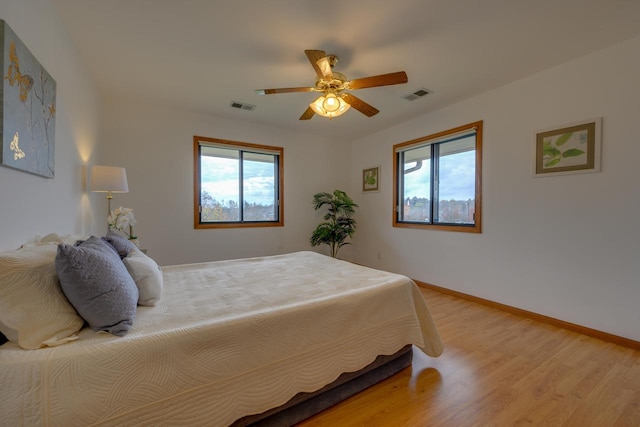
pixel 417 94
pixel 242 106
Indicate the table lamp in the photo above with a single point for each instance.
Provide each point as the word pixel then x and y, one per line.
pixel 109 179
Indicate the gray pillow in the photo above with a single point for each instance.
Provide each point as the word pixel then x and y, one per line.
pixel 120 243
pixel 97 284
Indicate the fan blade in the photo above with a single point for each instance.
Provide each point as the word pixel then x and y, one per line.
pixel 325 67
pixel 308 113
pixel 284 90
pixel 399 77
pixel 314 57
pixel 359 105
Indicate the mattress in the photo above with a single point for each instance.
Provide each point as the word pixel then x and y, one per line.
pixel 228 339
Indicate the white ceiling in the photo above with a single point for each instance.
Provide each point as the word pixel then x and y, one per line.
pixel 201 55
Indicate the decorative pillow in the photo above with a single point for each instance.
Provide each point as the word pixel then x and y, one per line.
pixel 121 244
pixel 96 282
pixel 33 310
pixel 146 274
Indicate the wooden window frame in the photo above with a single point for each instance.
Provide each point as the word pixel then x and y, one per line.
pixel 435 138
pixel 267 149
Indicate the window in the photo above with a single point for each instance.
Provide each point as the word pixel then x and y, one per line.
pixel 237 184
pixel 437 180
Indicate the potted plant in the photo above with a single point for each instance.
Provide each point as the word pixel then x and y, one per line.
pixel 338 223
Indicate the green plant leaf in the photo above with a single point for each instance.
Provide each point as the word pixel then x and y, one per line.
pixel 338 225
pixel 572 153
pixel 563 139
pixel 371 177
pixel 552 162
pixel 550 151
pixel 321 199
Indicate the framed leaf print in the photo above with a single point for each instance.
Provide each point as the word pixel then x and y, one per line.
pixel 370 179
pixel 573 148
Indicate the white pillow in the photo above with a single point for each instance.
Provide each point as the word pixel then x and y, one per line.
pixel 33 310
pixel 146 274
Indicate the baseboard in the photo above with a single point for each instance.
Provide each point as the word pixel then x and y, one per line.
pixel 615 339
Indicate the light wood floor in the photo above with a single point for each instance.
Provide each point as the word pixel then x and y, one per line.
pixel 499 369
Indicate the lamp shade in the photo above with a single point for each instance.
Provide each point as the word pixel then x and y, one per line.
pixel 329 105
pixel 107 179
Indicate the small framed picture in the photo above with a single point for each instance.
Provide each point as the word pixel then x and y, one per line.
pixel 573 148
pixel 371 179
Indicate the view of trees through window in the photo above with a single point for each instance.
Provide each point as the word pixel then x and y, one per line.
pixel 450 211
pixel 229 210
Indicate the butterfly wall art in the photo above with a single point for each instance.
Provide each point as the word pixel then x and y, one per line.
pixel 28 99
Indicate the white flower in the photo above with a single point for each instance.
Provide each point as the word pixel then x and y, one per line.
pixel 121 219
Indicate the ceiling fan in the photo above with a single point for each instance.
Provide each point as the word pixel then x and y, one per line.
pixel 335 101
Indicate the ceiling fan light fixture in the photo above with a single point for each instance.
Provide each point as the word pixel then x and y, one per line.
pixel 331 103
pixel 331 84
pixel 329 106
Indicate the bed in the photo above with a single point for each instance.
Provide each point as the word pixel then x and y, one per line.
pixel 229 342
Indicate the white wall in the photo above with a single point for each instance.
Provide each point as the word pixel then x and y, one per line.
pixel 155 145
pixel 30 205
pixel 566 247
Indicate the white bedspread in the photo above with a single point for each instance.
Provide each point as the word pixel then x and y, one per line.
pixel 227 339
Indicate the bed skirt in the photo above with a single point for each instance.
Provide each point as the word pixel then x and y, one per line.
pixel 305 405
